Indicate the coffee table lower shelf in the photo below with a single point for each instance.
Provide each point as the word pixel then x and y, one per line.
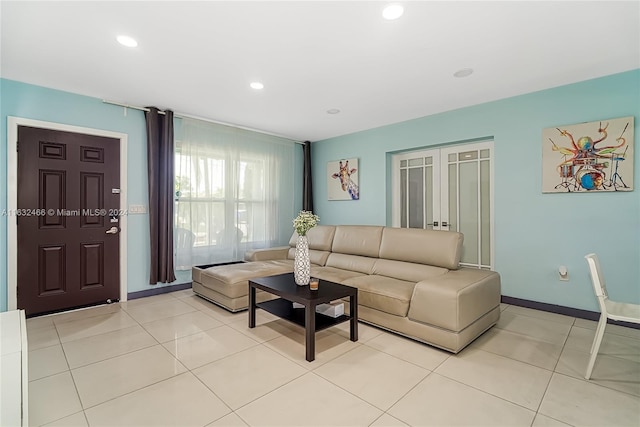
pixel 284 309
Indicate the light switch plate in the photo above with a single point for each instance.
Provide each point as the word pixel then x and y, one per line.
pixel 137 209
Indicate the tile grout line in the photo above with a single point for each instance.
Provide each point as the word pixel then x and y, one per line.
pixel 485 392
pixel 549 318
pixel 591 381
pixel 84 409
pixel 429 373
pixel 227 322
pixel 518 360
pixel 138 389
pixel 553 372
pixel 384 411
pixel 234 411
pixel 73 379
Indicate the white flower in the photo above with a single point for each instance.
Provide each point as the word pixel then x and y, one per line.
pixel 304 222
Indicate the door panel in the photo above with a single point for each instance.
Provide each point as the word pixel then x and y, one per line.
pixel 65 182
pixel 51 270
pixel 468 200
pixel 418 198
pixel 91 199
pixel 52 195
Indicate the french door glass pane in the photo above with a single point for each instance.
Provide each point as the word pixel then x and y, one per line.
pixel 469 211
pixel 403 197
pixel 453 197
pixel 428 191
pixel 485 212
pixel 416 198
pixel 468 155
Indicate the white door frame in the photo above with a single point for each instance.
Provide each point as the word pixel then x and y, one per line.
pixel 12 198
pixel 443 208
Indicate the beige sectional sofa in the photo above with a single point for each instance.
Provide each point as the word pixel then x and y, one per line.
pixel 409 280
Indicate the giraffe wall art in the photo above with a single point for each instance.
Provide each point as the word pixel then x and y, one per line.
pixel 342 180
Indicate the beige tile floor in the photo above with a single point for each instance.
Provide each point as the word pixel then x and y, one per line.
pixel 175 359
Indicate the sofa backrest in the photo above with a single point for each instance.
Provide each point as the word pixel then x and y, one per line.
pixel 363 240
pixel 436 248
pixel 355 247
pixel 320 240
pixel 432 248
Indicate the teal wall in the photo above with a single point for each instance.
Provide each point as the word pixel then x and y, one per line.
pixel 535 233
pixel 39 103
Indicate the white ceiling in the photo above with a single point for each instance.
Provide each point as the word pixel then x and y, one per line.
pixel 198 58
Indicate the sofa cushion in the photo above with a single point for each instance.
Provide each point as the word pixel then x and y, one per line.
pixel 196 274
pixel 361 264
pixel 383 293
pixel 266 254
pixel 232 280
pixel 333 274
pixel 320 237
pixel 316 257
pixel 457 299
pixel 357 240
pixel 408 271
pixel 437 248
pixel 284 263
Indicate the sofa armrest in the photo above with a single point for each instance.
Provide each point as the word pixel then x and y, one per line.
pixel 267 254
pixel 456 299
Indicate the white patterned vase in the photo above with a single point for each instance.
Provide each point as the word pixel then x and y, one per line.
pixel 301 264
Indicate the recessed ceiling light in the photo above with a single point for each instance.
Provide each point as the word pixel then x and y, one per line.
pixel 127 41
pixel 465 72
pixel 333 111
pixel 392 11
pixel 256 85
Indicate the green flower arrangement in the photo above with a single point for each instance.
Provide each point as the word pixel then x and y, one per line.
pixel 304 222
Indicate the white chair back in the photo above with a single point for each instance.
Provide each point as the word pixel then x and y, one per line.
pixel 613 310
pixel 597 279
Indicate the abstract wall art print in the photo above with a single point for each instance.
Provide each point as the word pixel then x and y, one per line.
pixel 342 180
pixel 589 157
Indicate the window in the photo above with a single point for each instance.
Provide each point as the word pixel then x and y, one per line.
pixel 234 192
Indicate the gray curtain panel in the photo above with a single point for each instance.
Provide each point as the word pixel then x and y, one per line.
pixel 307 187
pixel 160 155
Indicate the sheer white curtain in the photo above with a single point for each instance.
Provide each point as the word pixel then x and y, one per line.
pixel 234 192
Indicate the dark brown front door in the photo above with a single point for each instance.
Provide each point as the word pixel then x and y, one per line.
pixel 68 194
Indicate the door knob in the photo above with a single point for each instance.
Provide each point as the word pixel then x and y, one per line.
pixel 112 230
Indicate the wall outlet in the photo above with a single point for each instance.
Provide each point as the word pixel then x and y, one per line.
pixel 563 273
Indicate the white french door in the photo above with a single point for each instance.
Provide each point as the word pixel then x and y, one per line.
pixel 449 188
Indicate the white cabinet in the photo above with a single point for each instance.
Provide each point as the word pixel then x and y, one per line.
pixel 14 370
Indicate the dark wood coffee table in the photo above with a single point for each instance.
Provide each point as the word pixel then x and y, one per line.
pixel 284 286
